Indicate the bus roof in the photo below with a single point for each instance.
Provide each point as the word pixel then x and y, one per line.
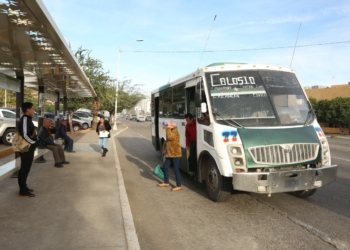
pixel 220 66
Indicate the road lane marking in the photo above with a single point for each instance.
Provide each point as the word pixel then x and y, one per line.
pixel 340 158
pixel 129 226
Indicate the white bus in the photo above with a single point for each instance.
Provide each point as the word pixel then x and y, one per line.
pixel 256 130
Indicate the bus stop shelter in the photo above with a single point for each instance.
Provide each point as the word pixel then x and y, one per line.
pixel 33 51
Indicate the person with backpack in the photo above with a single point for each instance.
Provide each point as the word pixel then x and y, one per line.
pixel 26 129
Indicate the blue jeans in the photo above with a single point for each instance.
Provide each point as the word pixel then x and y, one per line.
pixel 102 141
pixel 176 164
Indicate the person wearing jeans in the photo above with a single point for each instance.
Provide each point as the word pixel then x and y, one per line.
pixel 103 127
pixel 172 153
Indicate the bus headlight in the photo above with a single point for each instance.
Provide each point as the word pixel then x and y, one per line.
pixel 237 158
pixel 236 150
pixel 238 162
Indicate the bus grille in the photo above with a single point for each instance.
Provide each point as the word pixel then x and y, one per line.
pixel 284 153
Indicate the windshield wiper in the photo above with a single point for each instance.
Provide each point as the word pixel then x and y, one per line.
pixel 227 120
pixel 308 115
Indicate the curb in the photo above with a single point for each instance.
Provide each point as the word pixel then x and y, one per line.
pixel 129 226
pixel 6 152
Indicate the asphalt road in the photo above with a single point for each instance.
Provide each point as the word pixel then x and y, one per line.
pixel 189 220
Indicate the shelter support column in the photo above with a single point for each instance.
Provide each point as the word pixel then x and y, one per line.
pixel 41 101
pixel 57 109
pixel 19 102
pixel 64 106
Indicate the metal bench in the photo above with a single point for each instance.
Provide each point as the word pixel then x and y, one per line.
pixel 11 167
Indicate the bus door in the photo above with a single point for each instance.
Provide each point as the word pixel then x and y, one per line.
pixel 155 125
pixel 190 108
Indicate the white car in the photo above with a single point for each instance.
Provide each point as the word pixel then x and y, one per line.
pixel 8 125
pixel 85 122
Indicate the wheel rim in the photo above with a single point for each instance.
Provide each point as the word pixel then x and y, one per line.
pixel 213 178
pixel 85 126
pixel 76 128
pixel 9 137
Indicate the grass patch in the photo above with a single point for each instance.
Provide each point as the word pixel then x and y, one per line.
pixel 333 136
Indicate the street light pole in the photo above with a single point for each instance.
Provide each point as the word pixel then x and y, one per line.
pixel 117 82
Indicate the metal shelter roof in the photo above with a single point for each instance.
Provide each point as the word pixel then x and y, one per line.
pixel 31 42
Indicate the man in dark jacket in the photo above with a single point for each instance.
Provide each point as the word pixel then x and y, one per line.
pixel 61 132
pixel 191 143
pixel 27 130
pixel 46 141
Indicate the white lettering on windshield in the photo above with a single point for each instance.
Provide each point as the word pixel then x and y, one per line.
pixel 224 81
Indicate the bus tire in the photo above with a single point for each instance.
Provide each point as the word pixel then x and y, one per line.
pixel 218 187
pixel 304 193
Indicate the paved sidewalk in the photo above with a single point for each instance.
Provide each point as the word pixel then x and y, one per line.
pixel 80 206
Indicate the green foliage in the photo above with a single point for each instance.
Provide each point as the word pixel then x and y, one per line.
pixel 340 112
pixel 336 112
pixel 313 103
pixel 128 95
pixel 104 86
pixel 322 111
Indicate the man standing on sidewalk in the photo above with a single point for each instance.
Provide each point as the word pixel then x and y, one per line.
pixel 27 130
pixel 61 132
pixel 191 143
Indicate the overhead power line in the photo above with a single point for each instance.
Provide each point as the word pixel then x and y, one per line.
pixel 232 50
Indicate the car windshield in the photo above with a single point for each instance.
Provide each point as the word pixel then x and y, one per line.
pixel 256 98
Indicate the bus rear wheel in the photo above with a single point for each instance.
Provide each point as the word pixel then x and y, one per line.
pixel 218 187
pixel 304 193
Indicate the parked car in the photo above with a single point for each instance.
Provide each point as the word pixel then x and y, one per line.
pixel 76 126
pixel 8 125
pixel 84 113
pixel 84 121
pixel 148 118
pixel 133 118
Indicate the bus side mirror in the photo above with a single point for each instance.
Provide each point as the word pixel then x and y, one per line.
pixel 204 107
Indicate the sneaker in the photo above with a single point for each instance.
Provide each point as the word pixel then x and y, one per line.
pixel 176 189
pixel 163 184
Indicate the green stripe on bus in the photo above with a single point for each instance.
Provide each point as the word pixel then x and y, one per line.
pixel 166 86
pixel 223 63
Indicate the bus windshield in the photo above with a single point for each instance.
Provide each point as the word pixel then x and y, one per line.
pixel 258 98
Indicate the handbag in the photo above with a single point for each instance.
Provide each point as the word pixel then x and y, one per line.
pixel 158 171
pixel 19 144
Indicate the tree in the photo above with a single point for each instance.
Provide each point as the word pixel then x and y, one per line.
pixel 313 103
pixel 100 81
pixel 323 111
pixel 339 113
pixel 128 95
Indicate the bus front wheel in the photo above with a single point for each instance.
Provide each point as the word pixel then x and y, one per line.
pixel 218 187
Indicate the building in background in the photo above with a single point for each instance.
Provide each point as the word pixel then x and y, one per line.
pixel 328 93
pixel 143 106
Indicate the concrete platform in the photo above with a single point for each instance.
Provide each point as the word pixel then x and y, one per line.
pixel 80 206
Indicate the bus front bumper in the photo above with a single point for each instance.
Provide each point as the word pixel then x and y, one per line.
pixel 284 181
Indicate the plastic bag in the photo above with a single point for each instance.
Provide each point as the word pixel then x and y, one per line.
pixel 158 171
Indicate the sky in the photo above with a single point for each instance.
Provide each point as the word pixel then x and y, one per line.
pixel 243 28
